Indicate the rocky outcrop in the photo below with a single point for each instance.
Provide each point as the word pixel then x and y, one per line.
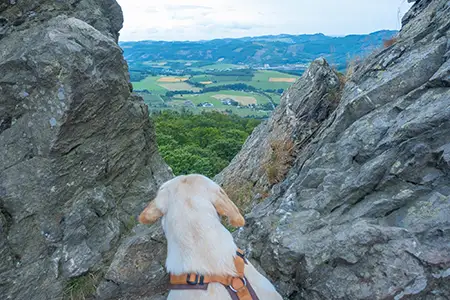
pixel 78 157
pixel 269 152
pixel 364 211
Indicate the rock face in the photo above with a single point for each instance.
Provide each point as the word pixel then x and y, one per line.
pixel 364 212
pixel 269 152
pixel 78 157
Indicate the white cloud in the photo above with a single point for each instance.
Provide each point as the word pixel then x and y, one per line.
pixel 208 19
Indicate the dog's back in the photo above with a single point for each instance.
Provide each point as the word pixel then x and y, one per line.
pixel 197 242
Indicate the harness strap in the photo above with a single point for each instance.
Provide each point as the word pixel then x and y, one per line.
pixel 237 286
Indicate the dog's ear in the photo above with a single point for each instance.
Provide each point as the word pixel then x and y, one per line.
pixel 155 209
pixel 150 214
pixel 226 207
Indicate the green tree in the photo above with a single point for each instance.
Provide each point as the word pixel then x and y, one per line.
pixel 200 143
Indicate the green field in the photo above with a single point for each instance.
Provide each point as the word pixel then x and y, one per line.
pixel 260 80
pixel 275 97
pixel 151 84
pixel 159 88
pixel 178 101
pixel 152 100
pixel 221 80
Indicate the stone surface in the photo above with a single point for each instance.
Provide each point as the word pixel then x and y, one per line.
pixel 357 180
pixel 78 157
pixel 270 151
pixel 364 211
pixel 138 268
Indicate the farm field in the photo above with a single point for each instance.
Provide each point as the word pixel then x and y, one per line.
pixel 161 84
pixel 222 66
pixel 275 97
pixel 179 86
pixel 243 100
pixel 272 80
pixel 172 79
pixel 162 90
pixel 152 100
pixel 291 80
pixel 221 80
pixel 264 80
pixel 216 97
pixel 151 84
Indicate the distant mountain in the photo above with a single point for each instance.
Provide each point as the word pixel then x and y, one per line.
pixel 273 50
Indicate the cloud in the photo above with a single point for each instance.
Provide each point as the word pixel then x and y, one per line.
pixel 208 19
pixel 187 7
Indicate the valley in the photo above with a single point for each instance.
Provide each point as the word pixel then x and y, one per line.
pixel 245 76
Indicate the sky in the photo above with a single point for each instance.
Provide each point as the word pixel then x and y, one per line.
pixel 171 20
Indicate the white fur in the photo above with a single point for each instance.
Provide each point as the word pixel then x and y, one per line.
pixel 198 242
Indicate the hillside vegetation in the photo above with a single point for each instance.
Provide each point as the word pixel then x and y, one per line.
pixel 200 143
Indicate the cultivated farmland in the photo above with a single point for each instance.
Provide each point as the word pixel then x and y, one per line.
pixel 243 100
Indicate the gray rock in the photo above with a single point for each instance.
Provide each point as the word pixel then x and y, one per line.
pixel 78 157
pixel 138 268
pixel 303 108
pixel 363 212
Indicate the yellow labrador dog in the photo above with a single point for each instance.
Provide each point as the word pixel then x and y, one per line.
pixel 202 258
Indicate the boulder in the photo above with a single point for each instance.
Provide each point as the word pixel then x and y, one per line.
pixel 78 156
pixel 270 151
pixel 363 212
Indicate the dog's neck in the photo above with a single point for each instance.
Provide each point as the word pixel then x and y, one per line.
pixel 198 244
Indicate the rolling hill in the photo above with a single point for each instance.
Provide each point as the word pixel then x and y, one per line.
pixel 287 52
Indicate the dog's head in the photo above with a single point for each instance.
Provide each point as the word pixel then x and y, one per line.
pixel 195 192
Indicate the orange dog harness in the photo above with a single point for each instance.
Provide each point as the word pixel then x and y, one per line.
pixel 238 286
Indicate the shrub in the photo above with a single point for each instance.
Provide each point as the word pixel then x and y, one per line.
pixel 388 43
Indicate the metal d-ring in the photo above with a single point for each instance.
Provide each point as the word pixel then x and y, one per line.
pixel 244 281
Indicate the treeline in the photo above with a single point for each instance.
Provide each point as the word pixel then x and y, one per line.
pixel 202 143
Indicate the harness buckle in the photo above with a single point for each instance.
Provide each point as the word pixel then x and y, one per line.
pixel 188 277
pixel 196 281
pixel 244 281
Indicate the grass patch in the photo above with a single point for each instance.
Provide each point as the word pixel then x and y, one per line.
pixel 281 157
pixel 82 287
pixel 351 67
pixel 224 221
pixel 131 223
pixel 241 194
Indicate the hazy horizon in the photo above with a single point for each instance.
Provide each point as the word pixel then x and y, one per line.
pixel 255 36
pixel 195 20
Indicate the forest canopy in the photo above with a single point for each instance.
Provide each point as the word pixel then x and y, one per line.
pixel 200 143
